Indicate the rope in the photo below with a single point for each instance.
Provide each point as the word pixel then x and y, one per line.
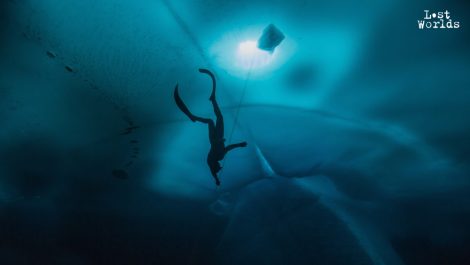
pixel 235 119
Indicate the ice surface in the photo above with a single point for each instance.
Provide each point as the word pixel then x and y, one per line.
pixel 367 161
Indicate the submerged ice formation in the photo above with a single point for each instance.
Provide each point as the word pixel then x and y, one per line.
pixel 361 240
pixel 270 38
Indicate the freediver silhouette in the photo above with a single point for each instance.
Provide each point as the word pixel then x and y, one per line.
pixel 216 130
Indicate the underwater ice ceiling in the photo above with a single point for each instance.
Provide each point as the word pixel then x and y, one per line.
pixel 356 123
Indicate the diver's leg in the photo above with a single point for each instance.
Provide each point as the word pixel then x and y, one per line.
pixel 218 113
pixel 212 97
pixel 211 126
pixel 212 130
pixel 203 120
pixel 233 146
pixel 219 124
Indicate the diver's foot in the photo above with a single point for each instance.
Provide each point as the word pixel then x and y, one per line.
pixel 217 182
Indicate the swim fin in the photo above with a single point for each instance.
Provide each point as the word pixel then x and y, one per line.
pixel 181 105
pixel 205 71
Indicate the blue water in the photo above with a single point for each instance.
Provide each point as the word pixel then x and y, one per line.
pixel 357 128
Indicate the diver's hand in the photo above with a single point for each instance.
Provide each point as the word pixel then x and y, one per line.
pixel 243 144
pixel 217 182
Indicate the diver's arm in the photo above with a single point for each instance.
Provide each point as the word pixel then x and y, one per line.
pixel 233 146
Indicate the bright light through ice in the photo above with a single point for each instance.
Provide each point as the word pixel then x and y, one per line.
pixel 249 55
